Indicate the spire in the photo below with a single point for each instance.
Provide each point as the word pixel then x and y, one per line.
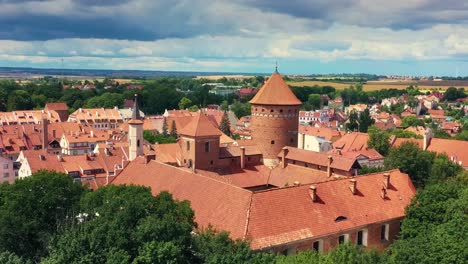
pixel 276 67
pixel 135 110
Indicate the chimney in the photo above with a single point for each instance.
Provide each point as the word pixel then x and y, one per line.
pixel 353 186
pixel 45 136
pixel 284 152
pixel 427 138
pixel 383 193
pixel 53 133
pixel 386 180
pixel 242 157
pixel 313 193
pixel 297 183
pixel 329 169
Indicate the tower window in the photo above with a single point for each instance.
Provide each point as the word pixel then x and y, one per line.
pixel 292 140
pixel 188 145
pixel 207 146
pixel 138 143
pixel 272 110
pixel 211 162
pixel 263 109
pixel 272 142
pixel 281 110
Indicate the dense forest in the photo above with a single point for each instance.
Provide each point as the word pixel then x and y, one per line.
pixel 49 218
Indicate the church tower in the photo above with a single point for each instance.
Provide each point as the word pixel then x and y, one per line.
pixel 275 118
pixel 135 133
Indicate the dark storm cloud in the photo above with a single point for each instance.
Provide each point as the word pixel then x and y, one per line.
pixel 159 19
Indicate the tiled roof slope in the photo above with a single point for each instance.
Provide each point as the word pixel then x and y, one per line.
pixel 319 158
pixel 215 202
pixel 276 216
pixel 284 215
pixel 352 141
pixel 275 92
pixel 200 126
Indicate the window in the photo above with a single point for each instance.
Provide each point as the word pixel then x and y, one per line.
pixel 188 145
pixel 292 140
pixel 138 143
pixel 271 111
pixel 343 238
pixel 6 175
pixel 207 146
pixel 5 166
pixel 281 110
pixel 211 162
pixel 362 238
pixel 384 232
pixel 272 142
pixel 318 246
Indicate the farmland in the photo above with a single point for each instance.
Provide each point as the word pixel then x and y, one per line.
pixel 379 85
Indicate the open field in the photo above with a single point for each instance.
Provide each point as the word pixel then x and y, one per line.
pixel 216 77
pixel 379 85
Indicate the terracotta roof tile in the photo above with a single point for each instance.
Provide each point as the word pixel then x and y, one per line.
pixel 319 158
pixel 352 141
pixel 200 126
pixel 275 92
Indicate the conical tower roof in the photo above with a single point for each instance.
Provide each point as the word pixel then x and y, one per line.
pixel 275 92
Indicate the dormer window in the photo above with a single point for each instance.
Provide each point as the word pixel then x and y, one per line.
pixel 341 218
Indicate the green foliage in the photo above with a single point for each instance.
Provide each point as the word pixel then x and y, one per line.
pixel 314 101
pixel 345 253
pixel 216 247
pixel 439 133
pixel 422 166
pixel 11 258
pixel 241 109
pixel 434 230
pixel 184 103
pixel 366 169
pixel 452 93
pixel 462 135
pixel 401 133
pixel 173 132
pixel 225 125
pixel 158 138
pixel 193 108
pixel 106 100
pixel 33 208
pixel 125 223
pixel 408 121
pixel 365 121
pixel 379 140
pixel 353 121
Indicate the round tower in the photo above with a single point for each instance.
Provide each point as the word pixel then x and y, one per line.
pixel 275 118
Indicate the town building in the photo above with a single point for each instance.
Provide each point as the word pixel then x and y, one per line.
pixel 97 118
pixel 274 121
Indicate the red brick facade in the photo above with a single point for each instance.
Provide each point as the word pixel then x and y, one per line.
pixel 200 152
pixel 274 127
pixel 372 238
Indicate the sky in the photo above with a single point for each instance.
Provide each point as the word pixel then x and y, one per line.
pixel 404 37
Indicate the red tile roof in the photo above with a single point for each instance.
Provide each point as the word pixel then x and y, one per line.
pixel 56 106
pixel 200 126
pixel 324 132
pixel 285 215
pixel 352 141
pixel 275 92
pixel 319 158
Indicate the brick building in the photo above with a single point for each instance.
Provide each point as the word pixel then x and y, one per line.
pixel 275 118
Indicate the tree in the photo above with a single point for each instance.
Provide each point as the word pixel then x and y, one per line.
pixel 434 229
pixel 314 101
pixel 31 210
pixel 439 133
pixel 164 128
pixel 193 108
pixel 408 121
pixel 365 121
pixel 173 132
pixel 125 224
pixel 225 105
pixel 379 140
pixel 353 121
pixel 19 100
pixel 184 103
pixel 240 109
pixel 225 125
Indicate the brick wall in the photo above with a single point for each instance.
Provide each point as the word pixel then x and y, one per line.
pixel 331 241
pixel 274 127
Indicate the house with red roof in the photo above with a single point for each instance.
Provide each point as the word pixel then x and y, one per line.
pixel 366 210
